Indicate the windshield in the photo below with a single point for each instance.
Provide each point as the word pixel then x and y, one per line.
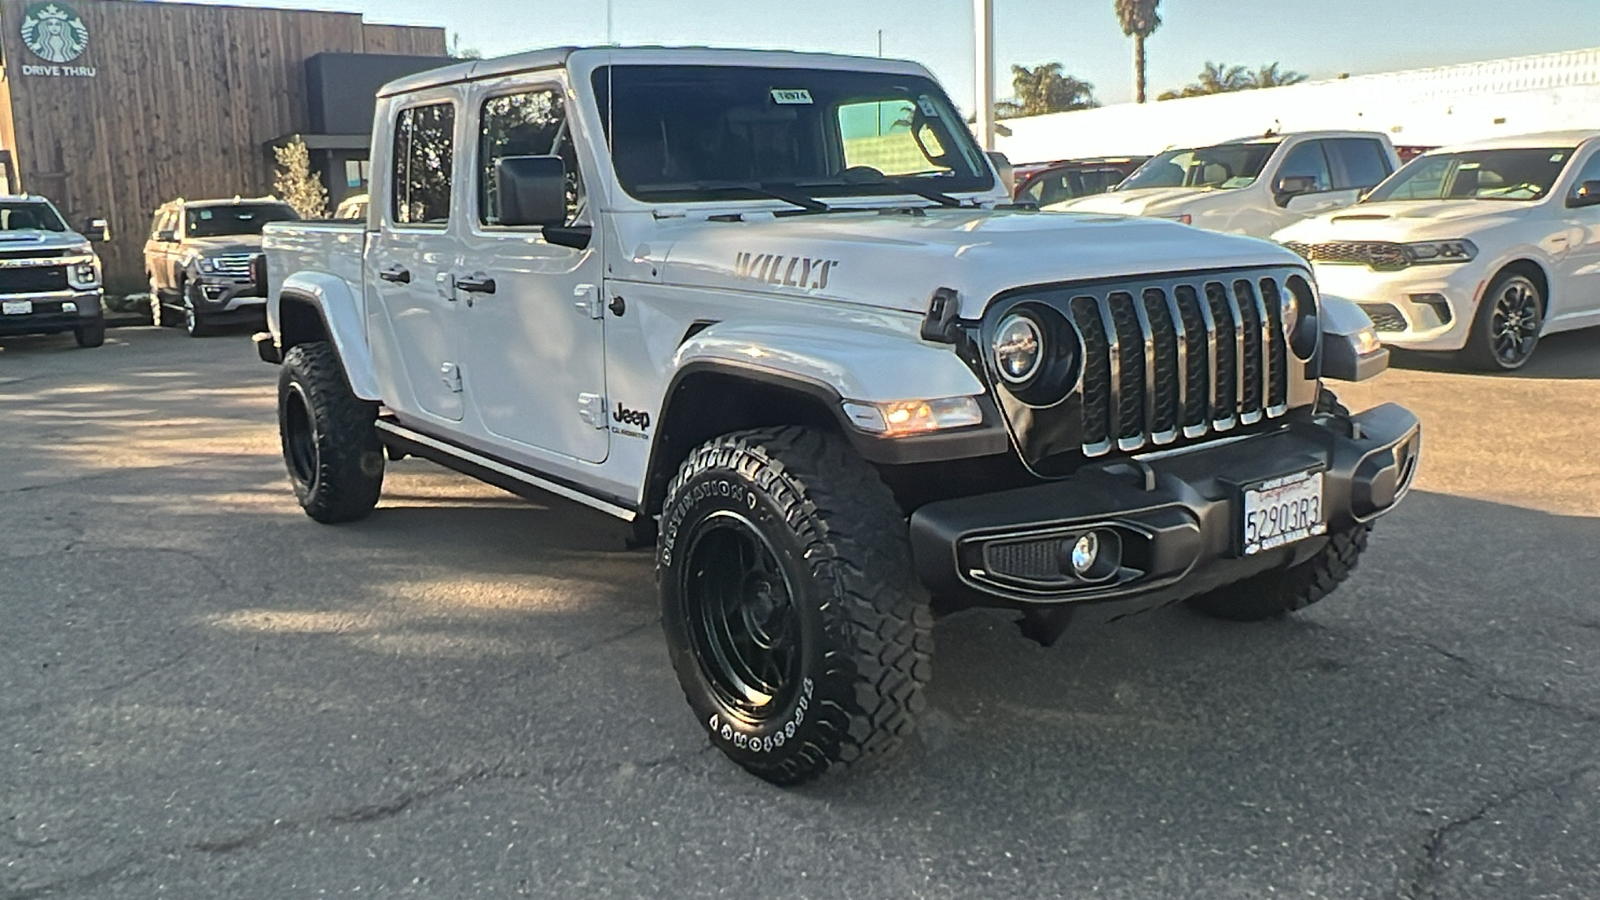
pixel 1510 174
pixel 686 133
pixel 235 218
pixel 1224 166
pixel 33 216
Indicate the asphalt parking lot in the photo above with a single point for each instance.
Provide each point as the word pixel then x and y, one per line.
pixel 203 694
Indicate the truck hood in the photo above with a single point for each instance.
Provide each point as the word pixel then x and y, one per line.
pixel 37 239
pixel 1405 220
pixel 1144 201
pixel 896 259
pixel 216 246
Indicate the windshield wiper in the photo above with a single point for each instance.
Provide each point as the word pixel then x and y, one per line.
pixel 809 204
pixel 904 184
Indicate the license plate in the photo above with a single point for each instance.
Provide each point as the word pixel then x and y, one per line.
pixel 17 307
pixel 1283 511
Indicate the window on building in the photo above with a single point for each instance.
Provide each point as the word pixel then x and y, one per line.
pixel 424 147
pixel 527 124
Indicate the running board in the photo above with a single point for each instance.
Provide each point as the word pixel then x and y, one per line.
pixel 485 468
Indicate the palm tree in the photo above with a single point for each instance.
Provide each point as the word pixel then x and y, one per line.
pixel 1045 89
pixel 1139 20
pixel 1219 78
pixel 1270 75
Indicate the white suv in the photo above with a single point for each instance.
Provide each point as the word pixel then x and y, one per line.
pixel 1480 248
pixel 1254 186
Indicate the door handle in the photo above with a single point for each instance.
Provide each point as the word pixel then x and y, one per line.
pixel 396 273
pixel 475 284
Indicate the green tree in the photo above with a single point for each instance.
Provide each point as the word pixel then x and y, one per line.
pixel 1044 89
pixel 1219 78
pixel 1139 20
pixel 296 184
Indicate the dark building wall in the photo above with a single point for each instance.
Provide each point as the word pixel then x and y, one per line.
pixel 182 102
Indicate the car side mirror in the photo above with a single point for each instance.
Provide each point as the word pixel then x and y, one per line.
pixel 96 230
pixel 532 190
pixel 1003 168
pixel 1292 186
pixel 167 237
pixel 1588 194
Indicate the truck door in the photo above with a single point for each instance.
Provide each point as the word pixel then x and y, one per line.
pixel 412 258
pixel 535 335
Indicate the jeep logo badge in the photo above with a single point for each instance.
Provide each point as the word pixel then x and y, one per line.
pixel 54 32
pixel 634 417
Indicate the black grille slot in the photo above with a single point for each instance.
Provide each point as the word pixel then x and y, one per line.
pixel 40 279
pixel 1096 372
pixel 1225 403
pixel 1385 317
pixel 1166 377
pixel 1130 343
pixel 1199 355
pixel 1278 359
pixel 1244 296
pixel 1028 560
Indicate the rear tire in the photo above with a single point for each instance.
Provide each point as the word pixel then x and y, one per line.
pixel 91 335
pixel 1507 326
pixel 329 440
pixel 1283 591
pixel 793 616
pixel 160 315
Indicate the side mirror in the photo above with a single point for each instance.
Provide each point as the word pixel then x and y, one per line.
pixel 167 237
pixel 1588 194
pixel 532 190
pixel 1002 166
pixel 96 230
pixel 1292 186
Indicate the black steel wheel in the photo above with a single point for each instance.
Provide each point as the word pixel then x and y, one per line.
pixel 1506 330
pixel 795 624
pixel 330 444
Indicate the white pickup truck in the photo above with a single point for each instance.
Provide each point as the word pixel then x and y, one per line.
pixel 775 310
pixel 1253 186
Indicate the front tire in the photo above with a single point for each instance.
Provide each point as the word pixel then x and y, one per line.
pixel 1283 591
pixel 329 440
pixel 91 335
pixel 193 322
pixel 1506 329
pixel 793 617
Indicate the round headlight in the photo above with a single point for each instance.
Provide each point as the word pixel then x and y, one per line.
pixel 1018 348
pixel 1289 312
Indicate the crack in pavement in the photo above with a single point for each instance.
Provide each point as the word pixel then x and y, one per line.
pixel 1431 864
pixel 610 639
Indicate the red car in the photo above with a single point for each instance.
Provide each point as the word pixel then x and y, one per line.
pixel 1046 183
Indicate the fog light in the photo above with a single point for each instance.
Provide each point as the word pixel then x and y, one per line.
pixel 1093 556
pixel 69 307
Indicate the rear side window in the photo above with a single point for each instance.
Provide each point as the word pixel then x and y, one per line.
pixel 1308 159
pixel 424 150
pixel 1358 162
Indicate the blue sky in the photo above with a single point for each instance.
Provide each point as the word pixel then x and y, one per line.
pixel 1322 38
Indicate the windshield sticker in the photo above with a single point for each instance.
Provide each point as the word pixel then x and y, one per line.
pixel 796 97
pixel 928 107
pixel 785 271
pixel 1558 157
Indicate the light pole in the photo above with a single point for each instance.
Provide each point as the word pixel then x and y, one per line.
pixel 983 20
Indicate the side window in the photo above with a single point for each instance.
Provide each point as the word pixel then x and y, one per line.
pixel 529 124
pixel 157 225
pixel 424 148
pixel 1589 172
pixel 1358 163
pixel 1308 159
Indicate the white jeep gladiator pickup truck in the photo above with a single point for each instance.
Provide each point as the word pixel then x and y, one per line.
pixel 1253 186
pixel 775 310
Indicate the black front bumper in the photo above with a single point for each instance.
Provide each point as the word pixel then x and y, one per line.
pixel 1178 517
pixel 47 316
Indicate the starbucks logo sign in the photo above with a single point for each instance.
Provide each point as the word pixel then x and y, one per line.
pixel 54 32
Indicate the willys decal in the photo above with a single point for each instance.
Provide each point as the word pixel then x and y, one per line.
pixel 785 271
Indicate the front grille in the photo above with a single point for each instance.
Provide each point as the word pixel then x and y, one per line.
pixel 234 266
pixel 36 254
pixel 1187 358
pixel 1385 317
pixel 35 280
pixel 1380 256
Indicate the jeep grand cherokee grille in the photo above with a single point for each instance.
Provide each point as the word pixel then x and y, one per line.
pixel 1380 256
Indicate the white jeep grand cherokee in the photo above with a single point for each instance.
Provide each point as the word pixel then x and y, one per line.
pixel 1480 248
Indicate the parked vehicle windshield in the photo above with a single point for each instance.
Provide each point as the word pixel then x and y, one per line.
pixel 235 219
pixel 1224 166
pixel 30 217
pixel 1522 173
pixel 687 133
